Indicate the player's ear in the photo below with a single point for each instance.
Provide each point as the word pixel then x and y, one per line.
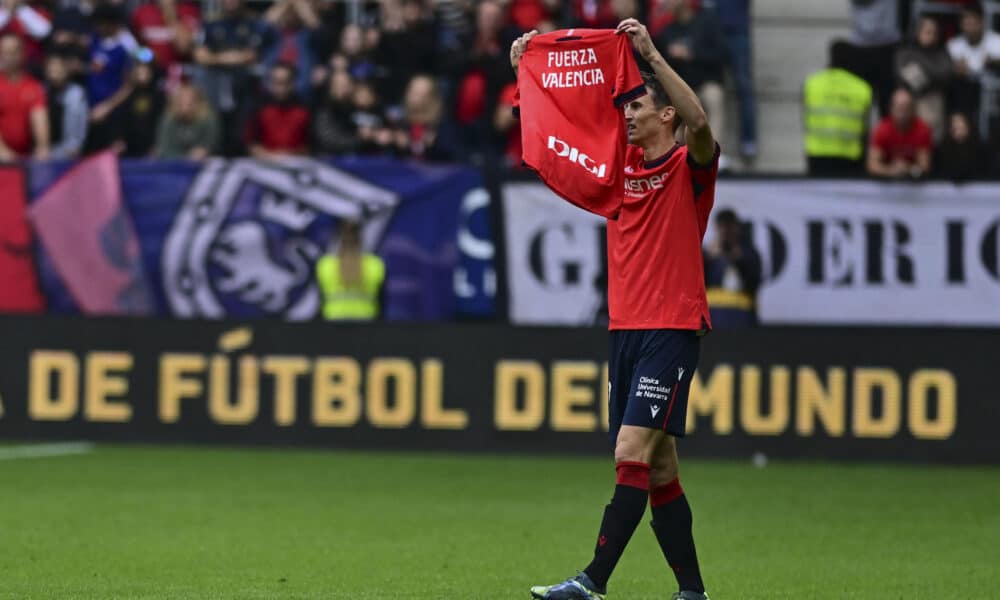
pixel 667 114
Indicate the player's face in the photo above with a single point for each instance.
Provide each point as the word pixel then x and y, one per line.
pixel 642 120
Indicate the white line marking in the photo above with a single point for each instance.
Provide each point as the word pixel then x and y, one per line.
pixel 45 450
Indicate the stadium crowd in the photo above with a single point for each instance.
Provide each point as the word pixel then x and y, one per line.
pixel 424 78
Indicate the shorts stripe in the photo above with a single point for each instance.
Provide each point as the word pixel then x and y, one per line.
pixel 670 408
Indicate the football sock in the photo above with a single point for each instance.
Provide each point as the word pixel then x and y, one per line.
pixel 672 525
pixel 621 517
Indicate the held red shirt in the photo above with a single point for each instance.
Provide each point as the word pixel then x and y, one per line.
pixel 656 277
pixel 570 85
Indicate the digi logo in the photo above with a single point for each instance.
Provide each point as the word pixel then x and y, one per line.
pixel 564 150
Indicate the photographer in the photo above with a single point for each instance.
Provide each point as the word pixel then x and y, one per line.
pixel 732 274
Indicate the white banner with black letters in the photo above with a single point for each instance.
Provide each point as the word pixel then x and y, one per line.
pixel 834 252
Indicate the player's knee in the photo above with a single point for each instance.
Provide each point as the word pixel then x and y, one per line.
pixel 634 446
pixel 662 474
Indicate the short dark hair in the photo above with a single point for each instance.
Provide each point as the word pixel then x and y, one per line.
pixel 973 8
pixel 659 96
pixel 726 216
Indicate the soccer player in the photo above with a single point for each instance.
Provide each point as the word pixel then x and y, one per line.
pixel 658 313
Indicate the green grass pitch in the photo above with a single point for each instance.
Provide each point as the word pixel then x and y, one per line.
pixel 192 523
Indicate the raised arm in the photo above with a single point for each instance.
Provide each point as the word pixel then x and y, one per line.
pixel 701 143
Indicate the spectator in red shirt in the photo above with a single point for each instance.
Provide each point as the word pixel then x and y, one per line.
pixel 24 118
pixel 505 124
pixel 168 28
pixel 30 23
pixel 281 125
pixel 901 144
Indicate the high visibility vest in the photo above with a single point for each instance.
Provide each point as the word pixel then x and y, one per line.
pixel 356 303
pixel 836 105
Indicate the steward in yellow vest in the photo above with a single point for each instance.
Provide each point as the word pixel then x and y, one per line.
pixel 351 280
pixel 836 105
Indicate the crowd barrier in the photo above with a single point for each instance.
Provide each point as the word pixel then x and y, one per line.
pixel 888 394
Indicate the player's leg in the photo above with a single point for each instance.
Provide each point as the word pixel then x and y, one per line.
pixel 633 448
pixel 633 452
pixel 672 519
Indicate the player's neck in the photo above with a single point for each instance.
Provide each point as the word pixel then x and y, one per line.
pixel 656 149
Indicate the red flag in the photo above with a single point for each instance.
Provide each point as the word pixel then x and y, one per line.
pixel 19 291
pixel 89 236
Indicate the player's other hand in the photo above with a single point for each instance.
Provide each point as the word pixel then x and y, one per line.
pixel 519 46
pixel 639 36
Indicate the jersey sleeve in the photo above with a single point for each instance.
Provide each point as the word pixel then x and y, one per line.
pixel 628 80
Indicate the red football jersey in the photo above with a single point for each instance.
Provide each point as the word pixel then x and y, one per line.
pixel 656 277
pixel 570 85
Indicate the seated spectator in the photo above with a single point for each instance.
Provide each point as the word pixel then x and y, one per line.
pixel 375 134
pixel 291 27
pixel 961 156
pixel 68 112
pixel 226 51
pixel 733 274
pixel 24 120
pixel 141 111
pixel 975 50
pixel 593 13
pixel 837 104
pixel 110 61
pixel 333 129
pixel 168 28
pixel 188 129
pixel 28 21
pixel 695 47
pixel 430 134
pixel 901 145
pixel 923 66
pixel 280 126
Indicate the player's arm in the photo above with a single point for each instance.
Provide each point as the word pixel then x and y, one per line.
pixel 700 142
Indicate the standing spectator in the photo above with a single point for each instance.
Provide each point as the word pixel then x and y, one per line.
pixel 508 126
pixel 141 111
pixel 188 128
pixel 975 50
pixel 350 279
pixel 68 112
pixel 528 14
pixel 111 54
pixel 430 134
pixel 696 48
pixel 924 67
pixel 734 17
pixel 168 28
pixel 226 50
pixel 733 274
pixel 280 126
pixel 837 104
pixel 961 156
pixel 352 54
pixel 901 145
pixel 29 22
pixel 333 130
pixel 874 37
pixel 407 46
pixel 291 39
pixel 24 120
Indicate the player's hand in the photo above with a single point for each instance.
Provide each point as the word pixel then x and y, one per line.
pixel 519 46
pixel 639 36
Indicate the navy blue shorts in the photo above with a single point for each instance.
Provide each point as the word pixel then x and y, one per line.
pixel 649 378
